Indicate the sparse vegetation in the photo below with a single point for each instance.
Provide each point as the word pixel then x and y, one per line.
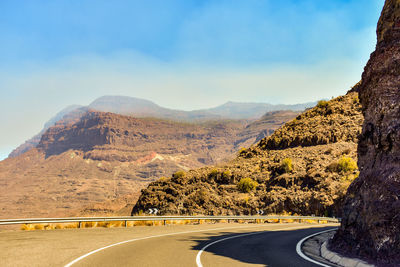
pixel 246 185
pixel 289 169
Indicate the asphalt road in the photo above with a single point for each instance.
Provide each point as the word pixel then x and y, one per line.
pixel 265 245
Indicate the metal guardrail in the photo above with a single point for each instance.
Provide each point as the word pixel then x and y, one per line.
pixel 125 219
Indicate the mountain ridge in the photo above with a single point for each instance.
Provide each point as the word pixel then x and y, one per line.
pixel 143 108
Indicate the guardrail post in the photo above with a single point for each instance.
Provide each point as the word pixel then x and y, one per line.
pixel 164 222
pixel 126 223
pixel 79 224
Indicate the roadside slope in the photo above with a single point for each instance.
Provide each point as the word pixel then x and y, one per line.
pixel 305 167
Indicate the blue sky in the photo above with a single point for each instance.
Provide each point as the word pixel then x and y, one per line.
pixel 181 54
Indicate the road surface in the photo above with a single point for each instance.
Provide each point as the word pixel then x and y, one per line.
pixel 175 245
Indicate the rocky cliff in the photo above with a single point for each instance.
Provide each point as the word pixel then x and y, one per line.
pixel 305 168
pixel 371 222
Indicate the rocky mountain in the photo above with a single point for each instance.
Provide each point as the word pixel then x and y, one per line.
pixel 305 167
pixel 231 110
pixel 65 116
pixel 371 223
pixel 95 162
pixel 146 109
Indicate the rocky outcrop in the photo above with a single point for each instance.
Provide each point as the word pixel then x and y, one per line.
pixel 329 122
pixel 296 179
pixel 371 223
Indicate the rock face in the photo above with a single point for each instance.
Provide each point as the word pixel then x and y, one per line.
pixel 297 170
pixel 371 223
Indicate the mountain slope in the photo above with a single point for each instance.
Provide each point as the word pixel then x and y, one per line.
pixel 290 178
pixel 98 162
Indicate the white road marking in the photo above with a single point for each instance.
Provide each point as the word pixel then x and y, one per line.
pixel 198 260
pixel 148 237
pixel 301 254
pixel 198 257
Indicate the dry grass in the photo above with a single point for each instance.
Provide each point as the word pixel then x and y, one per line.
pixel 113 224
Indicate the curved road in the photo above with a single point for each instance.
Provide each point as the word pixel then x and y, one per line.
pixel 255 245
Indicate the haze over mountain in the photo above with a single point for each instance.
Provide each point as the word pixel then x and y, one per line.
pixel 231 110
pixel 142 108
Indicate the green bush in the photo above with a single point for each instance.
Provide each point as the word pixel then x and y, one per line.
pixel 323 104
pixel 226 176
pixel 246 185
pixel 179 177
pixel 213 173
pixel 286 165
pixel 346 164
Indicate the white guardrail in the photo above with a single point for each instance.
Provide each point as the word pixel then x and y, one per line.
pixel 125 219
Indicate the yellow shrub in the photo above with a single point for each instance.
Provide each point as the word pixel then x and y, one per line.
pixel 246 185
pixel 346 164
pixel 39 227
pixel 286 165
pixel 27 227
pixel 59 226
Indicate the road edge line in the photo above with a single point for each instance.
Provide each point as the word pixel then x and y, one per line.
pixel 301 254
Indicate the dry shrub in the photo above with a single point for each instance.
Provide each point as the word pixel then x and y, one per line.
pixel 89 224
pixel 286 165
pixel 71 225
pixel 117 224
pixel 347 164
pixel 49 226
pixel 59 226
pixel 310 221
pixel 140 223
pixel 323 104
pixel 101 224
pixel 27 227
pixel 246 185
pixel 39 226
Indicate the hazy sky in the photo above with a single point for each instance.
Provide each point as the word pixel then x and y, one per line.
pixel 180 54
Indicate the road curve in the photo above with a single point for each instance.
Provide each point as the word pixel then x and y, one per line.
pixel 255 245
